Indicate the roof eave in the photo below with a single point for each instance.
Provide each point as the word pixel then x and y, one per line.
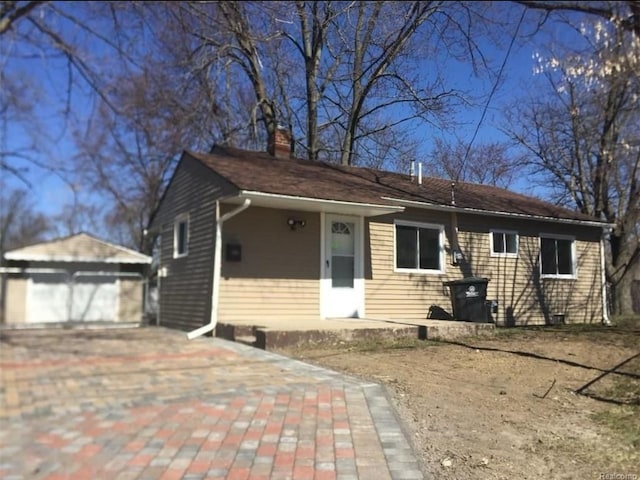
pixel 273 200
pixel 16 256
pixel 476 211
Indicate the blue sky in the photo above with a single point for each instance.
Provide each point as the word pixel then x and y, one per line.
pixel 51 194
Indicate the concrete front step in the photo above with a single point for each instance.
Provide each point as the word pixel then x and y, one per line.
pixel 273 338
pixel 454 332
pixel 246 339
pixel 270 339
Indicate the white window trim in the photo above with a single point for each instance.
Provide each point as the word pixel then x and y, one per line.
pixel 574 256
pixel 504 254
pixel 424 271
pixel 176 229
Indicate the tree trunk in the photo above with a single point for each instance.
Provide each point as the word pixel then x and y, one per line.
pixel 622 300
pixel 623 255
pixel 312 43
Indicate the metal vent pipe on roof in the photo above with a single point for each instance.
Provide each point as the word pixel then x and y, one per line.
pixel 419 173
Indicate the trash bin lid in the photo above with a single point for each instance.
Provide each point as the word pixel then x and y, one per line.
pixel 466 281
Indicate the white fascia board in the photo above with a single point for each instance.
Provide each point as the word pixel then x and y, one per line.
pixel 31 257
pixel 272 200
pixel 143 258
pixel 475 211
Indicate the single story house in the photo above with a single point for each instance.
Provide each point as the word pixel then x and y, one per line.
pixel 310 240
pixel 79 278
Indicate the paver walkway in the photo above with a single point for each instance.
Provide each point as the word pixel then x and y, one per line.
pixel 148 404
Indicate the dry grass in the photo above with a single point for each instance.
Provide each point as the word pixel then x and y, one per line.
pixel 533 402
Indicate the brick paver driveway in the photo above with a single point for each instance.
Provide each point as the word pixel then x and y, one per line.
pixel 147 404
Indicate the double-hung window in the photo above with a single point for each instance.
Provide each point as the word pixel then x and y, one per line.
pixel 419 247
pixel 557 256
pixel 504 243
pixel 181 236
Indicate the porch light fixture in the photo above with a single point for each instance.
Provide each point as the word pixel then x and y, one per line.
pixel 294 223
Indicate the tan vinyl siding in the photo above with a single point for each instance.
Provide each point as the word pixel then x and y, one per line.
pixel 278 276
pixel 523 296
pixel 185 293
pixel 394 295
pixel 16 305
pixel 130 300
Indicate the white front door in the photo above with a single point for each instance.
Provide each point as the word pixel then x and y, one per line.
pixel 343 279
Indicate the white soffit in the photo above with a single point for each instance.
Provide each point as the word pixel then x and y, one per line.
pixel 306 204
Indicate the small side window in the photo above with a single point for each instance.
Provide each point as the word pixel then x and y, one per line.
pixel 504 244
pixel 557 257
pixel 181 237
pixel 419 247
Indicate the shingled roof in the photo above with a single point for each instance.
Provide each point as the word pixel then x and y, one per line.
pixel 80 247
pixel 260 172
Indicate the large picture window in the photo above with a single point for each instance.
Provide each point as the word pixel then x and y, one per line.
pixel 504 243
pixel 419 247
pixel 181 236
pixel 557 257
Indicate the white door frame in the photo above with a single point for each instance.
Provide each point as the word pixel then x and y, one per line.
pixel 325 279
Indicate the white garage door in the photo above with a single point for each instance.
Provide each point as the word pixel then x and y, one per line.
pixel 51 299
pixel 47 298
pixel 94 299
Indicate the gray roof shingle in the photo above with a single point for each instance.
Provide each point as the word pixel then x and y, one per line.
pixel 260 172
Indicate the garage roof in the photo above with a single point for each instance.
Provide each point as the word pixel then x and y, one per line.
pixel 81 247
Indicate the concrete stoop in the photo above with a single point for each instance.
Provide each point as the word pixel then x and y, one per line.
pixel 268 339
pixel 464 329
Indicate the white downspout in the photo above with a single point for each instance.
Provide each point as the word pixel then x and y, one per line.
pixel 217 266
pixel 603 278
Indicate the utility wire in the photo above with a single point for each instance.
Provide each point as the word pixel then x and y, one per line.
pixel 493 90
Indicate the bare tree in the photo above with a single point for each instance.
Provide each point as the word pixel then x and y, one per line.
pixel 348 78
pixel 581 133
pixel 72 45
pixel 370 89
pixel 115 155
pixel 18 101
pixel 236 34
pixel 172 100
pixel 625 13
pixel 374 42
pixel 489 163
pixel 310 40
pixel 20 224
pixel 11 12
pixel 128 157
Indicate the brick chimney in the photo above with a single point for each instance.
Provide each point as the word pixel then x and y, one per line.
pixel 280 144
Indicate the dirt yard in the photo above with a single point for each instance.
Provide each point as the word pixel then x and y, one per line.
pixel 506 406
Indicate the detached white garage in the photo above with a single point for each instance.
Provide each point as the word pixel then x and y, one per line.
pixel 74 279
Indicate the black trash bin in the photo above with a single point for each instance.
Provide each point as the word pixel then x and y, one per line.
pixel 469 299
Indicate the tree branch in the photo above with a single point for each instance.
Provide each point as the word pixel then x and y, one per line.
pixel 10 14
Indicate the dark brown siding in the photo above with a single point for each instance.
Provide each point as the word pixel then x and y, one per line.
pixel 185 293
